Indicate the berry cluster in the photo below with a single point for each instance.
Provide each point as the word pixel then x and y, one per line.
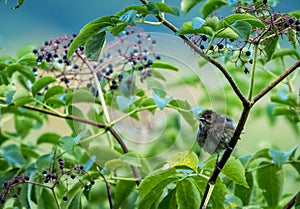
pixel 130 52
pixel 50 178
pixel 238 51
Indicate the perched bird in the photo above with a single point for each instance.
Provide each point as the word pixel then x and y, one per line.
pixel 215 131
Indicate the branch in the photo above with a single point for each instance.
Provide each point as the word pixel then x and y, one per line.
pixel 201 53
pixel 111 206
pixel 93 123
pixel 291 203
pixel 226 155
pixel 276 82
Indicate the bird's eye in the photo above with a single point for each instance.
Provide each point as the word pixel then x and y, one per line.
pixel 208 116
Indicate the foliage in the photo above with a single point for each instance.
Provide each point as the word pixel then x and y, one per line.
pixel 99 88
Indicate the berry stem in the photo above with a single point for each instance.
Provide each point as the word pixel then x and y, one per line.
pixel 253 72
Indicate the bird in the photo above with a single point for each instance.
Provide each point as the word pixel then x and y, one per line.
pixel 214 132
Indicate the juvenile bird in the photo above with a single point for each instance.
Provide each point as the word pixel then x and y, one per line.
pixel 215 131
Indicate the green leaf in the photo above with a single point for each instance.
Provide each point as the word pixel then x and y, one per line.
pixel 103 154
pixel 184 108
pixel 187 194
pixel 53 91
pixel 218 194
pixel 285 111
pixel 119 194
pixel 22 97
pixel 23 125
pixel 164 65
pixel 169 201
pixel 187 28
pixel 245 193
pixel 161 102
pixel 280 157
pixel 271 46
pixel 242 28
pixel 72 195
pixel 46 200
pixel 51 138
pixel 187 5
pixel 270 180
pixel 167 9
pixel 67 142
pixel 89 30
pixel 127 86
pixel 94 46
pixel 227 33
pixel 115 164
pixel 41 83
pixel 20 3
pixel 189 159
pixel 286 52
pixel 129 17
pixel 156 86
pixel 9 96
pixel 212 22
pixel 125 102
pixel 263 153
pixel 233 202
pixel 120 27
pixel 295 13
pixel 235 171
pixel 212 5
pixel 152 8
pixel 81 96
pixel 153 185
pixel 198 22
pixel 13 155
pixel 253 21
pixel 23 70
pixel 75 126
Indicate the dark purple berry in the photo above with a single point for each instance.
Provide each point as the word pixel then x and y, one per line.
pixel 75 67
pixel 114 87
pixel 65 198
pixel 34 69
pixel 60 159
pixel 26 178
pixel 46 43
pixel 73 176
pixel 120 76
pixel 44 172
pixel 86 187
pixel 220 46
pixel 158 57
pixel 153 42
pixel 297 28
pixel 15 196
pixel 251 61
pixel 248 53
pixel 231 40
pixel 81 48
pixel 265 1
pixel 291 20
pixel 53 176
pixel 204 38
pixel 286 24
pixel 61 167
pixel 114 82
pixel 55 55
pixel 81 167
pixel 35 51
pixel 92 181
pixel 211 48
pixel 2 201
pixel 246 71
pixel 60 61
pixel 202 47
pixel 297 22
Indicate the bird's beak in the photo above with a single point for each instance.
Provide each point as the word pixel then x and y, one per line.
pixel 201 118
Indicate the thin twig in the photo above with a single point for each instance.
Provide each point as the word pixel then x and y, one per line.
pixel 109 196
pixel 276 82
pixel 291 203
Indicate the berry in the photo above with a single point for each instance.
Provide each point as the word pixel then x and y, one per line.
pixel 53 176
pixel 61 167
pixel 2 201
pixel 92 181
pixel 46 43
pixel 265 1
pixel 221 46
pixel 75 66
pixel 231 40
pixel 35 51
pixel 44 172
pixel 246 71
pixel 211 48
pixel 291 20
pixel 81 167
pixel 60 61
pixel 248 53
pixel 297 22
pixel 55 55
pixel 114 82
pixel 26 178
pixel 286 24
pixel 153 42
pixel 297 28
pixel 120 76
pixel 81 48
pixel 73 176
pixel 60 160
pixel 65 198
pixel 251 61
pixel 15 196
pixel 86 187
pixel 202 46
pixel 34 69
pixel 204 38
pixel 114 87
pixel 158 57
